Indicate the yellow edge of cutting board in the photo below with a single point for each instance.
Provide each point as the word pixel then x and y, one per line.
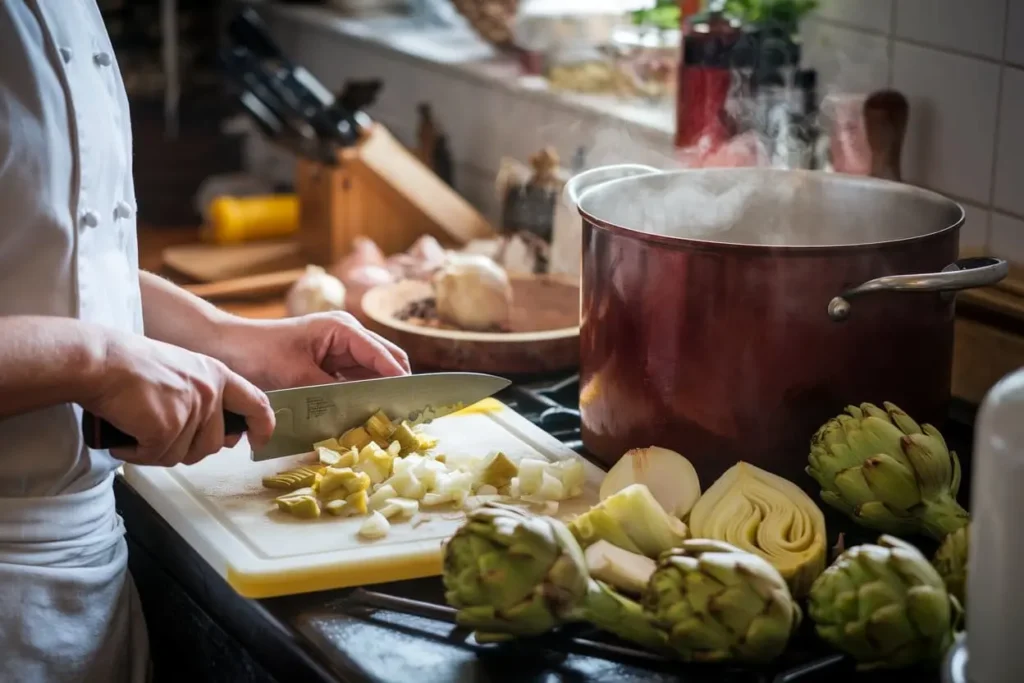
pixel 324 578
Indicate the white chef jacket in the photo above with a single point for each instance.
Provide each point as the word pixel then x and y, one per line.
pixel 68 608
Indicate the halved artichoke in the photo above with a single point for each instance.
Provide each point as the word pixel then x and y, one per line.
pixel 767 515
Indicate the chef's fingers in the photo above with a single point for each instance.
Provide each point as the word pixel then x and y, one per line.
pixel 397 352
pixel 232 440
pixel 171 443
pixel 241 397
pixel 209 438
pixel 367 349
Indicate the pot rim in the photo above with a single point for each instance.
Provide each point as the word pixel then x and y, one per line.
pixel 712 245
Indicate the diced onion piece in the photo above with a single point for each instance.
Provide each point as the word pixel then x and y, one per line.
pixel 428 471
pixel 531 475
pixel 407 464
pixel 382 495
pixel 572 474
pixel 402 508
pixel 375 526
pixel 550 487
pixel 433 499
pixel 513 488
pixel 487 490
pixel 669 477
pixel 394 448
pixel 336 507
pixel 408 485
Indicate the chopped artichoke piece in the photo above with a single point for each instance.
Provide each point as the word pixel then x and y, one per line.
pixel 349 458
pixel 375 462
pixel 302 504
pixel 621 569
pixel 425 442
pixel 632 520
pixel 380 428
pixel 357 503
pixel 357 438
pixel 394 449
pixel 328 456
pixel 405 437
pixel 375 526
pixel 329 444
pixel 440 457
pixel 498 470
pixel 292 479
pixel 343 479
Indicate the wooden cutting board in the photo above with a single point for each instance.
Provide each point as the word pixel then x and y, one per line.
pixel 221 509
pixel 212 262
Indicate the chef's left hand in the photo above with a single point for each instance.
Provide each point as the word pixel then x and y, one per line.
pixel 312 349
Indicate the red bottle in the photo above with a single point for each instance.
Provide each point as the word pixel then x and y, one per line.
pixel 705 77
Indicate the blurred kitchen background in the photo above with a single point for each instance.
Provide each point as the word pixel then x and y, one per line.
pixel 499 94
pixel 960 64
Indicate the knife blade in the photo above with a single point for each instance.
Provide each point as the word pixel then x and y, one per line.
pixel 310 414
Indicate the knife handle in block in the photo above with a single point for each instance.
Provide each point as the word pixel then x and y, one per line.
pixel 101 435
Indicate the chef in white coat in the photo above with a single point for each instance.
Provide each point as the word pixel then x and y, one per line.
pixel 82 327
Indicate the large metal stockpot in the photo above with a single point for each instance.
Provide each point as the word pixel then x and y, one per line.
pixel 727 313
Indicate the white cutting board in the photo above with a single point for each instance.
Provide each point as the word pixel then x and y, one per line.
pixel 221 509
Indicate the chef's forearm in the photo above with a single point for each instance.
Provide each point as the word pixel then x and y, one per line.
pixel 47 361
pixel 176 316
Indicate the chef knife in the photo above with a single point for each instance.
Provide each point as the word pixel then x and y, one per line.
pixel 309 414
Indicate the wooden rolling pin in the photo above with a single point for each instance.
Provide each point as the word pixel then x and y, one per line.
pixel 264 284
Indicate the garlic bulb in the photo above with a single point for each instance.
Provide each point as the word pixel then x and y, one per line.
pixel 473 292
pixel 316 291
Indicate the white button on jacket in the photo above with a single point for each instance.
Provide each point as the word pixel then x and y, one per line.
pixel 68 609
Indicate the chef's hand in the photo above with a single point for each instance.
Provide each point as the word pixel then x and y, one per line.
pixel 312 349
pixel 173 401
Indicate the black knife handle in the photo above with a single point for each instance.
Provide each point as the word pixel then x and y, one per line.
pixel 247 28
pixel 101 435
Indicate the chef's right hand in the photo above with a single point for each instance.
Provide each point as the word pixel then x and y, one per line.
pixel 173 401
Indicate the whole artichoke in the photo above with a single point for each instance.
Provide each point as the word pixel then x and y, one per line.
pixel 888 473
pixel 720 603
pixel 951 562
pixel 884 605
pixel 511 573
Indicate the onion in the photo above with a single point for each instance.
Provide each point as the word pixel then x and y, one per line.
pixel 669 477
pixel 315 292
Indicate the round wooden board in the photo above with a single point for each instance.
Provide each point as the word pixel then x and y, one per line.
pixel 544 334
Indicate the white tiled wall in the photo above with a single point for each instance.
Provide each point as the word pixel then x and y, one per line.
pixel 961 65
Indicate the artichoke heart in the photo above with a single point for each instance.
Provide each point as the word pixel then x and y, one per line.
pixel 356 438
pixel 951 562
pixel 632 520
pixel 380 429
pixel 885 606
pixel 289 480
pixel 886 472
pixel 720 603
pixel 763 513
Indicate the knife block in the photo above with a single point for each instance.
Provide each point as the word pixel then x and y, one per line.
pixel 379 190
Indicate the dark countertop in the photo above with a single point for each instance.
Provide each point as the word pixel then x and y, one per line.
pixel 202 630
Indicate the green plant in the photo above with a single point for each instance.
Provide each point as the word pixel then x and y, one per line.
pixel 786 13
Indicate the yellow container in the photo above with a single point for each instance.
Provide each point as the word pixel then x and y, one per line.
pixel 233 220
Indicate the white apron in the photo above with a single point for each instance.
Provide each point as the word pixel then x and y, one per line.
pixel 68 609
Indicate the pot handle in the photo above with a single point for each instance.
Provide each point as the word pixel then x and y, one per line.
pixel 581 182
pixel 966 273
